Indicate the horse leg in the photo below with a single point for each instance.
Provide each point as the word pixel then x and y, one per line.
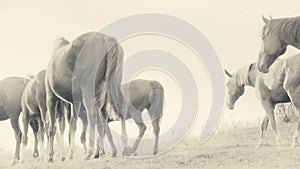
pixel 126 148
pixel 72 128
pixel 41 126
pixel 34 125
pixel 51 101
pixel 60 135
pixel 263 128
pixel 83 134
pixel 296 134
pixel 142 128
pixel 108 133
pixel 124 132
pixel 100 143
pixel 41 138
pixel 110 139
pixel 18 136
pixel 91 116
pixel 156 130
pixel 25 119
pixel 295 96
pixel 293 90
pixel 269 108
pixel 99 151
pixel 72 131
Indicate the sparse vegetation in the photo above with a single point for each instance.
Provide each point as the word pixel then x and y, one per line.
pixel 234 149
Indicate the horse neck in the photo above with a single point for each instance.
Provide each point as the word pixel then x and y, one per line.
pixel 289 31
pixel 252 75
pixel 246 76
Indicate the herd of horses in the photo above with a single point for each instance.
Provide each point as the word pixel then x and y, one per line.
pixel 62 92
pixel 275 80
pixel 82 79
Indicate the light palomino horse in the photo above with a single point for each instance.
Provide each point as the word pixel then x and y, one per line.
pixel 279 85
pixel 34 112
pixel 142 94
pixel 61 76
pixel 11 90
pixel 277 34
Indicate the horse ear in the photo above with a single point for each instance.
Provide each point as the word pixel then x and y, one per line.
pixel 227 73
pixel 266 20
pixel 271 18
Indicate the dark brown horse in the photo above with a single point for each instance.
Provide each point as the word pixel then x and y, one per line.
pixel 277 34
pixel 77 72
pixel 142 94
pixel 11 90
pixel 279 85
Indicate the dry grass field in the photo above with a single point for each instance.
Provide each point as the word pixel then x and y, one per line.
pixel 234 149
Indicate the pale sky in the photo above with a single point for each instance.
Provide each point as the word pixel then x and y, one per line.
pixel 29 29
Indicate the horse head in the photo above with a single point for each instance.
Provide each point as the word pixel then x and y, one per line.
pixel 234 90
pixel 272 44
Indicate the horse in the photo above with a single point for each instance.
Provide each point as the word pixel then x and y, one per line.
pixel 11 90
pixel 279 85
pixel 142 94
pixel 277 34
pixel 34 113
pixel 70 69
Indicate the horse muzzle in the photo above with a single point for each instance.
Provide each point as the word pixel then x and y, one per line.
pixel 263 68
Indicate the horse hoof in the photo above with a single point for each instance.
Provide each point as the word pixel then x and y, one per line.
pixel 63 159
pixel 35 155
pixel 134 154
pixel 14 162
pixel 96 155
pixel 87 157
pixel 99 155
pixel 127 151
pixel 50 160
pixel 114 155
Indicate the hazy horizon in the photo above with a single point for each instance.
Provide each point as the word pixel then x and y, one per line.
pixel 29 30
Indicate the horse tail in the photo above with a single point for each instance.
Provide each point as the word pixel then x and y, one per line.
pixel 114 74
pixel 157 100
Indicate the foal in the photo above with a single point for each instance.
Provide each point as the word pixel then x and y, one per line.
pixel 142 94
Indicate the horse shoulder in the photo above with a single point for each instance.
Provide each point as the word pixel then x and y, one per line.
pixel 262 91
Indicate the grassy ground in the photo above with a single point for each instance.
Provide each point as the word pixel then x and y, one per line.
pixel 234 149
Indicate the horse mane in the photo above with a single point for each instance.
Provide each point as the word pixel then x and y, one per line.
pixel 60 42
pixel 29 76
pixel 241 75
pixel 288 28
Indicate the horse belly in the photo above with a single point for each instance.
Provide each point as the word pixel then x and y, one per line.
pixel 3 115
pixel 279 95
pixel 62 86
